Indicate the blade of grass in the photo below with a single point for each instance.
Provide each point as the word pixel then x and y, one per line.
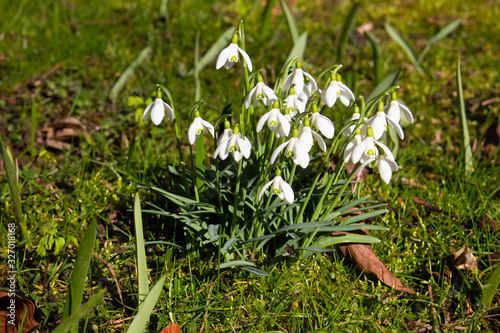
pixel 79 275
pixel 448 29
pixel 142 266
pixel 290 21
pixel 10 172
pixel 394 34
pixel 463 121
pixel 349 22
pixel 146 308
pixel 71 321
pixel 377 57
pixel 127 73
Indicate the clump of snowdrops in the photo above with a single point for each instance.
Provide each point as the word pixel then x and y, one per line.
pixel 268 191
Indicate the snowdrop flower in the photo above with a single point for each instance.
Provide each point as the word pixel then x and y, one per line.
pixel 367 149
pixel 351 145
pixel 322 123
pixel 293 103
pixel 336 89
pixel 227 132
pixel 279 187
pixel 157 110
pixel 230 55
pixel 198 127
pixel 386 165
pixel 297 78
pixel 355 116
pixel 275 121
pixel 379 123
pixel 306 135
pixel 294 149
pixel 234 144
pixel 393 110
pixel 260 92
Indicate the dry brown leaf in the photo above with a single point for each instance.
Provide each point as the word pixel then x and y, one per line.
pixel 22 305
pixel 171 328
pixel 367 261
pixel 463 259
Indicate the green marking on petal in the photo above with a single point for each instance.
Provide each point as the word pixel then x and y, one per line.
pixel 232 148
pixel 260 96
pixel 233 59
pixel 290 153
pixel 276 191
pixel 273 123
pixel 200 131
pixel 370 152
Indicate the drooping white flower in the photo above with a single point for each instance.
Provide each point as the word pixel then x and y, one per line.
pixel 351 145
pixel 279 187
pixel 306 135
pixel 157 110
pixel 386 165
pixel 355 116
pixel 336 89
pixel 230 55
pixel 260 92
pixel 293 103
pixel 276 121
pixel 198 127
pixel 227 132
pixel 322 123
pixel 234 145
pixel 296 78
pixel 394 109
pixel 367 149
pixel 379 123
pixel 294 149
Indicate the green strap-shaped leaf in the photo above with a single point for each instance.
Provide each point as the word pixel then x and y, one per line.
pixel 292 25
pixel 299 47
pixel 79 275
pixel 394 34
pixel 142 265
pixel 349 22
pixel 386 83
pixel 448 29
pixel 463 121
pixel 72 321
pixel 349 238
pixel 236 263
pixel 146 308
pixel 127 73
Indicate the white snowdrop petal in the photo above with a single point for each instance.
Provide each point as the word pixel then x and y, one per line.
pixel 325 126
pixel 277 151
pixel 263 190
pixel 157 113
pixel 147 111
pixel 222 58
pixel 288 192
pixel 407 112
pixel 385 171
pixel 262 121
pixel 358 151
pixel 319 140
pixel 396 126
pixel 247 58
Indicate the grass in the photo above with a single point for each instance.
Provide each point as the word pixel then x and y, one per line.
pixel 94 178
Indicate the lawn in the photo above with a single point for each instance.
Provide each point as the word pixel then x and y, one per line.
pixel 111 202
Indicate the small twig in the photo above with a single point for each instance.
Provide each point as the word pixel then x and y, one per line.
pixel 439 210
pixel 45 274
pixel 206 310
pixel 401 217
pixel 113 275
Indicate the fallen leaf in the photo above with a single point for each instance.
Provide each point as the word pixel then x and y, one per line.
pixel 367 261
pixel 22 306
pixel 463 259
pixel 171 328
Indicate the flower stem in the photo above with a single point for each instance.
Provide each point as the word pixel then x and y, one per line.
pixel 236 199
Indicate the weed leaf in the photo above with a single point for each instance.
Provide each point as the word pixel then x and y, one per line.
pixel 299 47
pixel 448 29
pixel 349 22
pixel 394 34
pixel 142 265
